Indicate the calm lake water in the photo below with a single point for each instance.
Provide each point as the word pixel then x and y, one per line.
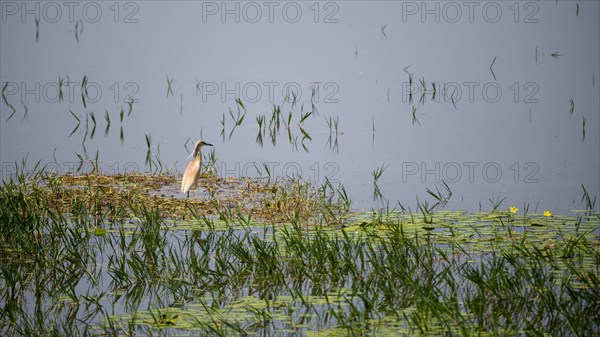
pixel 515 113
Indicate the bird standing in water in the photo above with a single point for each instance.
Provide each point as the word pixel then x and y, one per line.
pixel 192 171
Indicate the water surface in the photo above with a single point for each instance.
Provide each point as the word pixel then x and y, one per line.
pixel 501 125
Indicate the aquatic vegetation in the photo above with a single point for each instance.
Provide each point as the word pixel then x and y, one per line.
pixel 107 119
pixel 491 70
pixel 377 173
pixel 571 107
pixel 169 84
pixel 37 29
pixel 5 101
pixel 125 255
pixel 332 141
pixel 239 118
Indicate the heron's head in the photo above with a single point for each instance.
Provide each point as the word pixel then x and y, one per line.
pixel 200 144
pixel 197 147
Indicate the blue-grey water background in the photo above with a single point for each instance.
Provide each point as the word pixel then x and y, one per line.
pixel 516 112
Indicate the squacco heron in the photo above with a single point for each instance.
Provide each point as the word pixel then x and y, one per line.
pixel 192 171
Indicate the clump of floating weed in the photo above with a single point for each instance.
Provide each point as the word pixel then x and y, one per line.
pixel 274 201
pixel 122 181
pixel 284 201
pixel 102 198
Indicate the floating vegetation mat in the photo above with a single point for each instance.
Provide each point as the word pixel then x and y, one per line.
pixel 105 198
pixel 128 255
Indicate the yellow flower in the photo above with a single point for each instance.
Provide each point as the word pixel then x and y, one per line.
pixel 513 209
pixel 547 213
